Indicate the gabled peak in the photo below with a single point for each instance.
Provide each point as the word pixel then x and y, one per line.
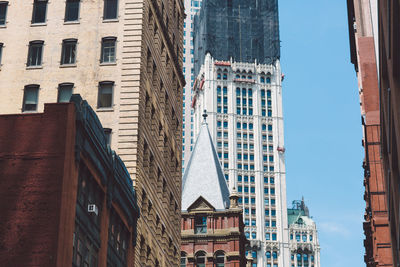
pixel 203 176
pixel 201 205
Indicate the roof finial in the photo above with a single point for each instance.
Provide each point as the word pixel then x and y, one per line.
pixel 205 115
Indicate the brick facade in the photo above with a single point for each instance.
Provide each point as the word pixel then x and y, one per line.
pixel 47 162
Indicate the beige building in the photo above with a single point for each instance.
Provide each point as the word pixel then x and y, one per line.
pixel 124 57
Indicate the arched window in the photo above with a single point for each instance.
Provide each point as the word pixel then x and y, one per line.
pixel 220 259
pixel 201 259
pixel 268 254
pixel 298 257
pixel 218 76
pixel 183 259
pixel 262 80
pixel 268 79
pixel 225 76
pixel 274 255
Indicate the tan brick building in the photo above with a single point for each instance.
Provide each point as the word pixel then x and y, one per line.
pixel 125 58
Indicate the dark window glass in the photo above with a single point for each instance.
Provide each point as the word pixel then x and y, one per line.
pixel 118 241
pixel 110 9
pixel 39 11
pixel 31 93
pixel 72 10
pixel 3 12
pixel 108 50
pixel 107 133
pixel 220 259
pixel 64 92
pixel 1 51
pixel 201 259
pixel 105 94
pixel 200 225
pixel 35 53
pixel 183 259
pixel 68 53
pixel 84 251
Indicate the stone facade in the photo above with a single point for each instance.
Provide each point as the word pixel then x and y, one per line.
pixel 143 110
pixel 54 166
pixel 363 33
pixel 245 116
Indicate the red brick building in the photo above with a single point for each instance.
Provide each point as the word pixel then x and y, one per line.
pixel 362 18
pixel 212 224
pixel 66 199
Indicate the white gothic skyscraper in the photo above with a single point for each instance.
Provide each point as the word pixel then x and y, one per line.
pixel 236 78
pixel 244 106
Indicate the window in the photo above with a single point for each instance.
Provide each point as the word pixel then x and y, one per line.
pixel 274 237
pixel 200 225
pixel 220 259
pixel 39 11
pixel 110 9
pixel 201 259
pixel 253 235
pixel 3 12
pixel 31 93
pixel 118 241
pixel 35 53
pixel 64 92
pixel 183 259
pixel 108 50
pixel 107 133
pixel 1 52
pixel 68 53
pixel 105 97
pixel 72 10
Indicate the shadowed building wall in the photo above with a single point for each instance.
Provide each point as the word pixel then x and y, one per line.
pixel 66 198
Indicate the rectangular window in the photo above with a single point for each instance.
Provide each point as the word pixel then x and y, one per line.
pixel 35 53
pixel 3 12
pixel 72 10
pixel 108 50
pixel 200 225
pixel 1 52
pixel 68 53
pixel 110 9
pixel 64 92
pixel 31 93
pixel 105 97
pixel 39 11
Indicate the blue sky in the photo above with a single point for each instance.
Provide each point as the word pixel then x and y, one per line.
pixel 323 126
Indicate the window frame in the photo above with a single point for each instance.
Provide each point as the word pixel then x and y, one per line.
pixel 105 11
pixel 67 2
pixel 63 51
pixel 103 41
pixel 59 89
pixel 200 228
pixel 1 53
pixel 32 45
pixel 5 3
pixel 34 10
pixel 26 87
pixel 112 94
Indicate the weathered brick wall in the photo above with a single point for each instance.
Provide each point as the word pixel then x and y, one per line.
pixel 31 172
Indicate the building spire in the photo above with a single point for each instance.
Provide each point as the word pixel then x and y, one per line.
pixel 203 175
pixel 205 116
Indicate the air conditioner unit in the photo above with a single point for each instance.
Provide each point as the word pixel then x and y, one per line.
pixel 92 208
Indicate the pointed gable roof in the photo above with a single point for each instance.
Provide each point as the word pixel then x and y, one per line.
pixel 203 176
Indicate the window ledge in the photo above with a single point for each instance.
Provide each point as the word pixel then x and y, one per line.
pixel 3 26
pixel 108 64
pixel 34 67
pixel 68 66
pixel 38 24
pixel 111 109
pixel 110 20
pixel 72 22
